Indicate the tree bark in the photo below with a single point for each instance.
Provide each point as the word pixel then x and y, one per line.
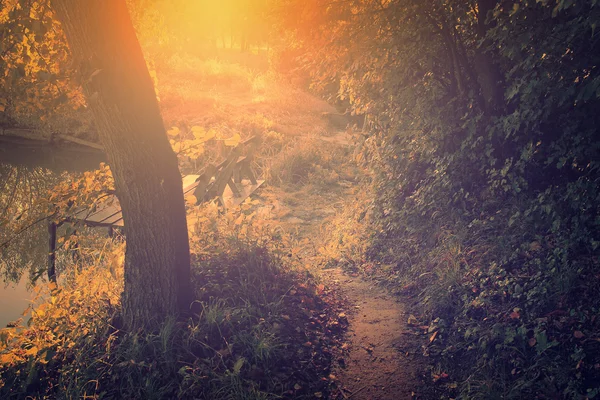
pixel 121 96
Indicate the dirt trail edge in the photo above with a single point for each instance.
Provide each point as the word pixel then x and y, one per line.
pixel 381 360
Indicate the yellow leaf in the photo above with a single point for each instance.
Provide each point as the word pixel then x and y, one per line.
pixel 32 351
pixel 173 132
pixel 203 135
pixel 233 141
pixel 190 200
pixel 432 338
pixel 198 132
pixel 176 146
pixel 196 152
pixel 7 358
pixel 209 135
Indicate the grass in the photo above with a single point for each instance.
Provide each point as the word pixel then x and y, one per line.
pixel 246 339
pixel 222 95
pixel 259 329
pixel 496 328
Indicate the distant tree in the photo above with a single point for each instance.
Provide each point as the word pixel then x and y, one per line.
pixel 121 96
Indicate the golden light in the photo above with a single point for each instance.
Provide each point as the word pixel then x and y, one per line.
pixel 202 26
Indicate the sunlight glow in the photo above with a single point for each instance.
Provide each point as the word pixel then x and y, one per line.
pixel 204 25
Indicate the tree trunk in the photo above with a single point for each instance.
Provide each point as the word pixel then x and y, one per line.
pixel 121 96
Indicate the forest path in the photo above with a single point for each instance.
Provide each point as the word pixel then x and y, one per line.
pixel 311 179
pixel 381 356
pixel 380 360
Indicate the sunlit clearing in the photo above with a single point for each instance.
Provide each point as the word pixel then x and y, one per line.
pixel 203 27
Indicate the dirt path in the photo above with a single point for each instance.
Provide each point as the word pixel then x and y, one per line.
pixel 311 181
pixel 381 357
pixel 380 361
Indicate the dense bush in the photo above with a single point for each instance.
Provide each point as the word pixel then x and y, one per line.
pixel 483 140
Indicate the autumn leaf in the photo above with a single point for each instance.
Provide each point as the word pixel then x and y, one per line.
pixel 190 200
pixel 437 377
pixel 173 132
pixel 432 338
pixel 198 132
pixel 31 351
pixel 233 141
pixel 203 135
pixel 7 358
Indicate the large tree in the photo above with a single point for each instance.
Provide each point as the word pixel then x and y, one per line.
pixel 121 95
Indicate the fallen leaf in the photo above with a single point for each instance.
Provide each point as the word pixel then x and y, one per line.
pixel 432 338
pixel 578 334
pixel 441 376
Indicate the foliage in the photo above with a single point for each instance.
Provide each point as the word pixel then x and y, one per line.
pixel 67 328
pixel 250 334
pixel 37 87
pixel 38 197
pixel 483 143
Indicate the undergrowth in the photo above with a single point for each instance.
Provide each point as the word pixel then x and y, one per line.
pixel 497 323
pixel 251 333
pixel 485 190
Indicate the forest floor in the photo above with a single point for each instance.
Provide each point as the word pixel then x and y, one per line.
pixel 380 354
pixel 337 335
pixel 310 176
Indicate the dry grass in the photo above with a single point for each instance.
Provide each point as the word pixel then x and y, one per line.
pixel 213 94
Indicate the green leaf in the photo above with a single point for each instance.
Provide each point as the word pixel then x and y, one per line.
pixel 237 367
